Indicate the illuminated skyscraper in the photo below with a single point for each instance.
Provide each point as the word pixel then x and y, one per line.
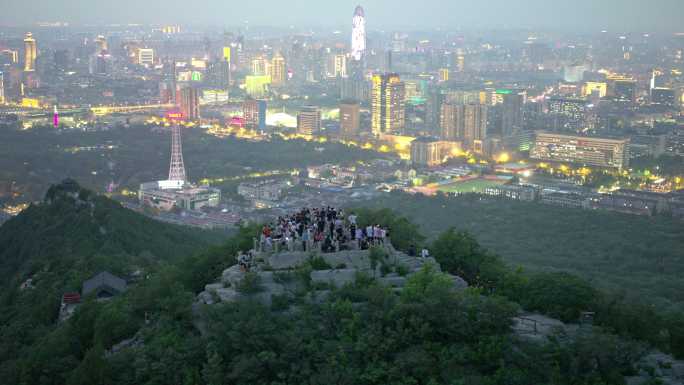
pixel 277 69
pixel 189 103
pixel 2 88
pixel 254 113
pixel 145 56
pixel 100 44
pixel 350 114
pixel 30 53
pixel 309 120
pixel 475 124
pixel 336 66
pixel 259 65
pixel 388 106
pixel 358 43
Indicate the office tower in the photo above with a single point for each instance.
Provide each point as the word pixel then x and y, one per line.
pixel 663 97
pixel 254 113
pixel 458 61
pixel 622 89
pixel 350 116
pixel 61 59
pixel 451 121
pixel 145 56
pixel 568 114
pixel 428 151
pixel 98 64
pixel 9 56
pixel 388 108
pixel 336 66
pixel 189 103
pixel 433 110
pixel 30 53
pixel 259 66
pixel 589 88
pixel 583 150
pixel 512 111
pixel 2 88
pixel 277 69
pixel 257 86
pixel 474 124
pixel 100 44
pixel 443 75
pixel 355 88
pixel 574 73
pixel 309 120
pixel 358 41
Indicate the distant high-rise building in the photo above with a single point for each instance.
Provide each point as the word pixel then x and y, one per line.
pixel 599 88
pixel 350 116
pixel 189 103
pixel 30 53
pixel 458 61
pixel 591 151
pixel 663 96
pixel 568 114
pixel 257 85
pixel 512 111
pixel 358 41
pixel 259 66
pixel 254 113
pixel 475 124
pixel 428 151
pixel 277 69
pixel 336 66
pixel 388 106
pixel 99 64
pixel 2 88
pixel 309 120
pixel 10 56
pixel 466 122
pixel 443 75
pixel 451 121
pixel 622 89
pixel 145 56
pixel 100 44
pixel 355 88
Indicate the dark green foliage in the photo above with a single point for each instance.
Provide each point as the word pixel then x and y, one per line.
pixel 638 257
pixel 318 263
pixel 560 295
pixel 250 284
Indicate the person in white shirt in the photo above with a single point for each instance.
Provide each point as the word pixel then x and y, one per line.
pixel 424 253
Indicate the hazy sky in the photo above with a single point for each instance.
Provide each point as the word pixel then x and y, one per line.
pixel 629 15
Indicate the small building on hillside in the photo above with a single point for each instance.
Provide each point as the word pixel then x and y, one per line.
pixel 104 285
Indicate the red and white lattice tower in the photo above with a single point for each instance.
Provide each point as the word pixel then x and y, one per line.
pixel 177 168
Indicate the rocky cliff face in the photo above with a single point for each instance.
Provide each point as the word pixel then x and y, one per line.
pixel 281 274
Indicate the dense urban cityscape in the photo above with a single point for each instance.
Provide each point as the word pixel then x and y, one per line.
pixel 141 161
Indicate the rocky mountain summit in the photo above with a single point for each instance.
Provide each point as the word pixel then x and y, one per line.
pixel 284 274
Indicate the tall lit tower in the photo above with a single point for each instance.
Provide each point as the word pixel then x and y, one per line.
pixel 55 117
pixel 177 167
pixel 30 53
pixel 358 43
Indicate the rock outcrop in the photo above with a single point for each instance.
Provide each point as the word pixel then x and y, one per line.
pixel 274 274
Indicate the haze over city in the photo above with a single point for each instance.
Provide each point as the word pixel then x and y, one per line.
pixel 579 15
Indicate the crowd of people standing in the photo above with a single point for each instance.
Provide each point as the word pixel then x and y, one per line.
pixel 326 230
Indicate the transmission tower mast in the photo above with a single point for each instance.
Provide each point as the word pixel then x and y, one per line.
pixel 177 167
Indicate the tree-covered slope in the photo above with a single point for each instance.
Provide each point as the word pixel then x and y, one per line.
pixel 73 226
